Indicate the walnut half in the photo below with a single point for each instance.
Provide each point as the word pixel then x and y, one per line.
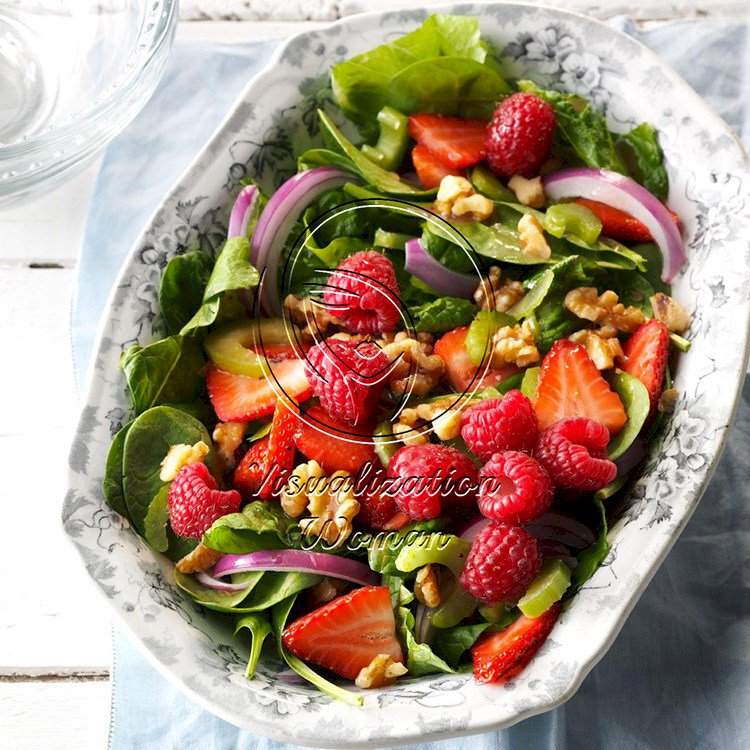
pixel 426 587
pixel 381 671
pixel 514 345
pixel 602 349
pixel 494 293
pixel 670 312
pixel 604 309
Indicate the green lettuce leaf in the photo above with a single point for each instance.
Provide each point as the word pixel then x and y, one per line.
pixel 453 643
pixel 259 526
pixel 635 399
pixel 112 483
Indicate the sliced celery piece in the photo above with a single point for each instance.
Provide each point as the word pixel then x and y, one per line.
pixel 478 342
pixel 679 342
pixel 530 382
pixel 572 218
pixel 390 240
pixel 487 182
pixel 385 445
pixel 389 151
pixel 444 549
pixel 547 588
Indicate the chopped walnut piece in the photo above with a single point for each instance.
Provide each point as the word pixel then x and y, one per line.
pixel 227 438
pixel 426 587
pixel 179 456
pixel 532 237
pixel 325 591
pixel 604 309
pixel 601 348
pixel 381 671
pixel 446 422
pixel 529 192
pixel 304 480
pixel 410 429
pixel 514 345
pixel 667 401
pixel 670 312
pixel 332 507
pixel 202 558
pixel 417 370
pixel 311 316
pixel 456 197
pixel 495 294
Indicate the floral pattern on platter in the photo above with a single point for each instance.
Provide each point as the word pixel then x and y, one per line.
pixel 273 119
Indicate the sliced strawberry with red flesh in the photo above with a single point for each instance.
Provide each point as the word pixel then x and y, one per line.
pixel 618 225
pixel 251 470
pixel 239 398
pixel 499 656
pixel 460 372
pixel 455 141
pixel 346 634
pixel 430 169
pixel 335 445
pixel 646 354
pixel 571 386
pixel 377 509
pixel 281 450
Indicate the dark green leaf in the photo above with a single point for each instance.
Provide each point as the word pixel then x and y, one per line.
pixel 452 643
pixel 443 314
pixel 259 526
pixel 218 601
pixel 166 371
pixel 635 399
pixel 584 127
pixel 274 587
pixel 181 288
pixel 157 518
pixel 643 154
pixel 112 484
pixel 592 557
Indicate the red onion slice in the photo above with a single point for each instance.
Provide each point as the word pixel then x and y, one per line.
pixel 297 561
pixel 422 265
pixel 283 209
pixel 560 527
pixel 214 583
pixel 242 210
pixel 626 195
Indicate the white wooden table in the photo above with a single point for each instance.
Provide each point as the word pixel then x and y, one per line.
pixel 55 636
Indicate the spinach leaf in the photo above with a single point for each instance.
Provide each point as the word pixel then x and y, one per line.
pixel 156 520
pixel 112 483
pixel 650 252
pixel 362 85
pixel 163 372
pixel 149 438
pixel 447 252
pixel 499 242
pixel 584 127
pixel 592 557
pixel 259 626
pixel 274 587
pixel 443 314
pixel 634 397
pixel 232 271
pixel 632 288
pixel 218 601
pixel 554 320
pixel 181 288
pixel 447 86
pixel 279 617
pixel 645 159
pixel 382 180
pixel 420 658
pixel 325 157
pixel 454 642
pixel 259 526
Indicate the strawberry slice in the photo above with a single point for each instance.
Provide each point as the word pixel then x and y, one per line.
pixel 499 656
pixel 377 509
pixel 571 386
pixel 239 398
pixel 429 168
pixel 346 634
pixel 459 369
pixel 646 354
pixel 323 438
pixel 618 225
pixel 250 472
pixel 454 141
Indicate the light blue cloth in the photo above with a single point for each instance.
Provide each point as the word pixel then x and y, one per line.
pixel 678 676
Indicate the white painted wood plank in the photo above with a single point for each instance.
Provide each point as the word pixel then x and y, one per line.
pixel 49 616
pixel 36 715
pixel 48 230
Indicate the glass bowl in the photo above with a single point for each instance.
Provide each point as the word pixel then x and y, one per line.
pixel 72 76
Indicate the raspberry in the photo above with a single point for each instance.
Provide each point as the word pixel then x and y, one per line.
pixel 496 425
pixel 195 503
pixel 574 452
pixel 348 377
pixel 363 293
pixel 430 477
pixel 519 137
pixel 502 562
pixel 514 488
